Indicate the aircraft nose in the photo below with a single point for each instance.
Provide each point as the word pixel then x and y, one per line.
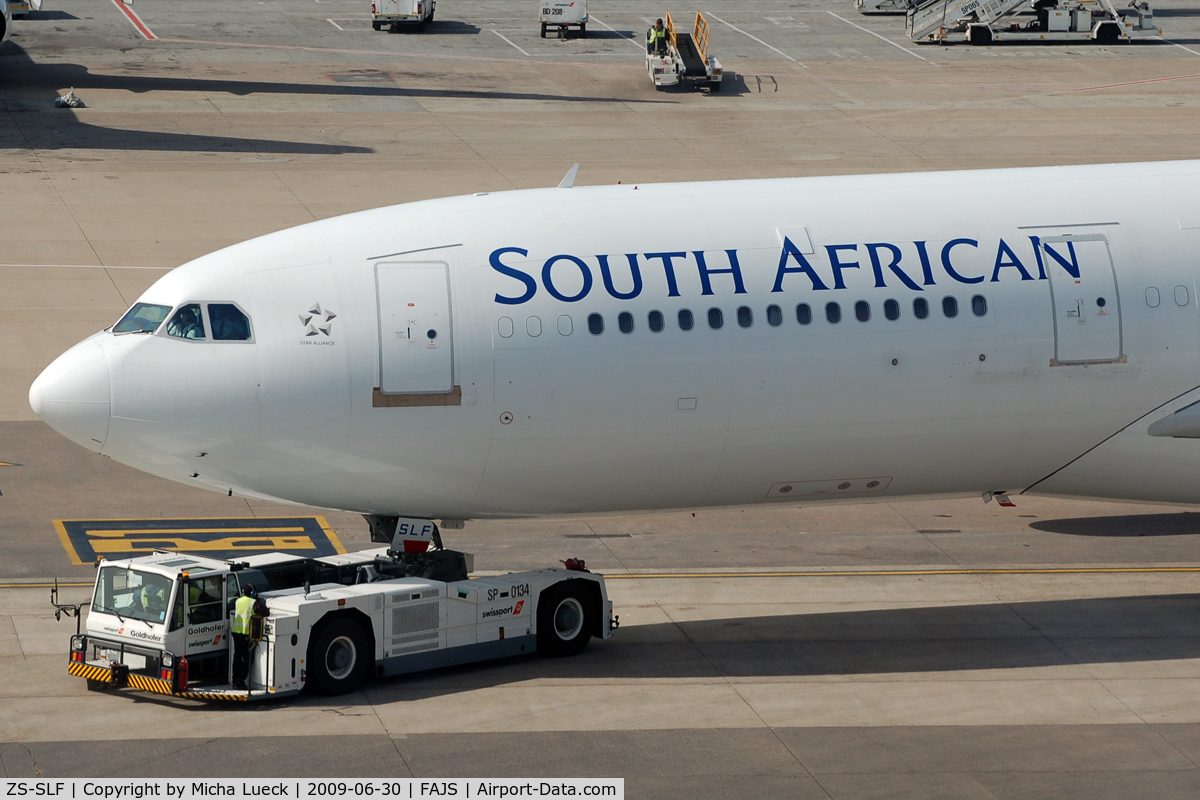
pixel 72 395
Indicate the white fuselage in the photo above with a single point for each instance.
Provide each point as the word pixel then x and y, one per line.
pixel 1058 359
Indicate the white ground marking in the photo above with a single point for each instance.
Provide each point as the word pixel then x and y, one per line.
pixel 510 41
pixel 606 27
pixel 1177 44
pixel 755 38
pixel 334 24
pixel 884 38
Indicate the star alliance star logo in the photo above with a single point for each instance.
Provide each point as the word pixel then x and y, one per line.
pixel 317 322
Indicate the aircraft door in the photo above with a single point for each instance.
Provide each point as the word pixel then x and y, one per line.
pixel 1083 298
pixel 415 343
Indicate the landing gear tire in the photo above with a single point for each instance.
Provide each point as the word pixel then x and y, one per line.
pixel 338 658
pixel 566 619
pixel 377 25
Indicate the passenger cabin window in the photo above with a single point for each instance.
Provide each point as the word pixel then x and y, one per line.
pixel 803 314
pixel 656 321
pixel 228 322
pixel 745 316
pixel 625 322
pixel 685 320
pixel 891 310
pixel 142 318
pixel 595 324
pixel 833 313
pixel 564 325
pixel 774 316
pixel 950 307
pixel 187 323
pixel 715 318
pixel 920 308
pixel 862 311
pixel 979 305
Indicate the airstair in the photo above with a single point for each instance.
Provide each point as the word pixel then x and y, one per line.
pixel 936 15
pixel 987 20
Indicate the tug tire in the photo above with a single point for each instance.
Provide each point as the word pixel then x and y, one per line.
pixel 566 616
pixel 338 657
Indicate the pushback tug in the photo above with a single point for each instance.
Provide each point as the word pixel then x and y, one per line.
pixel 160 622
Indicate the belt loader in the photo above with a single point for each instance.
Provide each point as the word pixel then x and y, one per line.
pixel 160 623
pixel 683 57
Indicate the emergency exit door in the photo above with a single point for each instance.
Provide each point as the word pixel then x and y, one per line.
pixel 1084 299
pixel 415 353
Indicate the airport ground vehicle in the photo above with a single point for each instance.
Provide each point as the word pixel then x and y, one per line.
pixel 19 8
pixel 985 21
pixel 563 15
pixel 398 14
pixel 160 622
pixel 685 58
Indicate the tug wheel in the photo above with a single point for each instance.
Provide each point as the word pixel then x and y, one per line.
pixel 338 658
pixel 566 619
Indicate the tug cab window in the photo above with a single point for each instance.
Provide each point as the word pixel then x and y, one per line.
pixel 228 322
pixel 187 323
pixel 132 594
pixel 142 318
pixel 204 600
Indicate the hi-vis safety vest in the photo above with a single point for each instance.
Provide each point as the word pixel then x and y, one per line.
pixel 656 34
pixel 242 610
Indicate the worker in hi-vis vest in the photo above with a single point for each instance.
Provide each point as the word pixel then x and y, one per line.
pixel 243 610
pixel 656 39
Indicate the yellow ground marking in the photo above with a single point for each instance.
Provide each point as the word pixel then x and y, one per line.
pixel 8 464
pixel 66 542
pixel 122 532
pixel 333 537
pixel 166 536
pixel 150 544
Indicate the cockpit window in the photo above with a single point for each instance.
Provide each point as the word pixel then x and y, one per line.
pixel 228 322
pixel 187 323
pixel 142 318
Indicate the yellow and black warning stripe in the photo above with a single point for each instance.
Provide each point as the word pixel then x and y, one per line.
pixel 148 684
pixel 243 696
pixel 90 672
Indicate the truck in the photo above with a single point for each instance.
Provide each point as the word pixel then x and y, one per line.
pixel 400 14
pixel 563 15
pixel 685 58
pixel 161 622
